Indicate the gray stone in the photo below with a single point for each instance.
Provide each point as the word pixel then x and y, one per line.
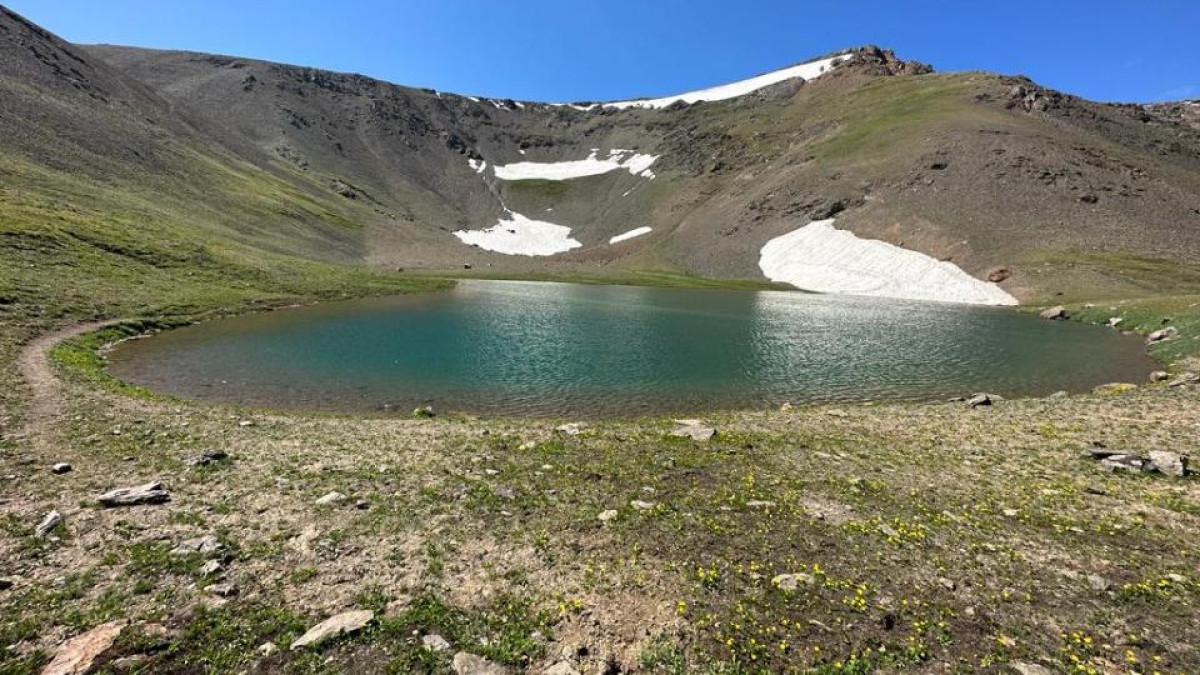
pixel 61 468
pixel 211 568
pixel 1057 312
pixel 1162 335
pixel 760 504
pixel 48 524
pixel 150 493
pixel 790 582
pixel 979 400
pixel 1098 582
pixel 561 668
pixel 223 590
pixel 1170 463
pixel 1160 376
pixel 435 643
pixel 346 623
pixel 571 428
pixel 469 664
pixel 267 649
pixel 1023 668
pixel 331 499
pixel 207 457
pixel 206 545
pixel 641 505
pixel 1115 321
pixel 608 515
pixel 693 429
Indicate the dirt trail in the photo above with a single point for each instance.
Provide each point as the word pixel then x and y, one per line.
pixel 45 388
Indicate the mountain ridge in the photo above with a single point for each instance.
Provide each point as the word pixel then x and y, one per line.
pixel 995 174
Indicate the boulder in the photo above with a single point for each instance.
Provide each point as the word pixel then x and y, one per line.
pixel 150 493
pixel 1185 380
pixel 1170 463
pixel 561 668
pixel 999 274
pixel 1057 312
pixel 606 516
pixel 1160 376
pixel 435 643
pixel 61 468
pixel 641 505
pixel 979 400
pixel 469 664
pixel 76 656
pixel 1162 335
pixel 346 623
pixel 1024 668
pixel 1115 321
pixel 571 428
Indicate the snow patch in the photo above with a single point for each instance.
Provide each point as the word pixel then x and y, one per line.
pixel 808 71
pixel 630 234
pixel 635 163
pixel 479 166
pixel 819 257
pixel 518 235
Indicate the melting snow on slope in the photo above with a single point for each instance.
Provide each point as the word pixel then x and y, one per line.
pixel 819 257
pixel 808 71
pixel 630 235
pixel 479 166
pixel 518 235
pixel 635 163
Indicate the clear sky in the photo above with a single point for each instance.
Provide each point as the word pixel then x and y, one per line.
pixel 568 50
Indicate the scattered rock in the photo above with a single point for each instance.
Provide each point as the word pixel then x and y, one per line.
pixel 330 499
pixel 127 664
pixel 999 274
pixel 346 623
pixel 1115 321
pixel 527 445
pixel 206 545
pixel 1099 583
pixel 211 568
pixel 435 643
pixel 5 584
pixel 641 505
pixel 1185 380
pixel 246 423
pixel 362 505
pixel 979 400
pixel 1114 388
pixel 207 457
pixel 608 515
pixel 571 428
pixel 786 407
pixel 48 524
pixel 1057 312
pixel 267 649
pixel 561 668
pixel 1162 335
pixel 947 584
pixel 1011 513
pixel 469 664
pixel 423 412
pixel 61 468
pixel 760 504
pixel 1023 668
pixel 76 656
pixel 1160 376
pixel 150 493
pixel 790 582
pixel 1170 463
pixel 223 590
pixel 693 429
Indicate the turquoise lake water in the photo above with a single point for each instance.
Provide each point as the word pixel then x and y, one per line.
pixel 546 349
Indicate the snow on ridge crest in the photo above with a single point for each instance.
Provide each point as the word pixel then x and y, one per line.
pixel 635 163
pixel 808 71
pixel 819 257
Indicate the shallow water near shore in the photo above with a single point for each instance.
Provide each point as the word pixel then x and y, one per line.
pixel 521 349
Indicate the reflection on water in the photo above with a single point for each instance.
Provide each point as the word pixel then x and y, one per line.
pixel 519 348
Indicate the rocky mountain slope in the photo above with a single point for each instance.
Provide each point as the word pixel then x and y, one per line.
pixel 1040 192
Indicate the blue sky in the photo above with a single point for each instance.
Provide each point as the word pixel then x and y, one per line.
pixel 567 50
